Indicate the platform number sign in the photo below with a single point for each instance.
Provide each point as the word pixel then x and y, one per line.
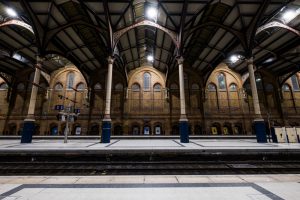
pixel 58 107
pixel 77 111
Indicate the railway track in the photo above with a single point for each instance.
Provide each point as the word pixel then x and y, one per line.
pixel 149 168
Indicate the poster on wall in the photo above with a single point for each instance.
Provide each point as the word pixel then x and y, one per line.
pixel 157 130
pixel 77 130
pixel 214 130
pixel 146 130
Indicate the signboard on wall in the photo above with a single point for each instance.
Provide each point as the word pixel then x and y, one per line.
pixel 214 130
pixel 157 130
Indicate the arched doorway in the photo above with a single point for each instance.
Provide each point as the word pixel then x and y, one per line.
pixel 77 129
pixel 175 129
pixel 158 130
pixel 147 130
pixel 216 129
pixel 37 129
pixel 118 130
pixel 53 129
pixel 12 129
pixel 135 130
pixel 238 130
pixel 198 130
pixel 227 129
pixel 94 129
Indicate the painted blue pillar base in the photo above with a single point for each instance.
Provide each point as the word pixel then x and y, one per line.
pixel 260 131
pixel 27 132
pixel 106 132
pixel 184 131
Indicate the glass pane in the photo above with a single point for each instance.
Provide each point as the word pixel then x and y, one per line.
pixel 146 81
pixel 58 86
pixel 286 88
pixel 221 81
pixel 211 87
pixel 70 80
pixel 135 87
pixel 80 86
pixel 233 87
pixel 195 86
pixel 98 86
pixel 295 82
pixel 157 87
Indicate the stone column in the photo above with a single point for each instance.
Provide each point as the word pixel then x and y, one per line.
pixel 259 123
pixel 183 121
pixel 29 122
pixel 106 123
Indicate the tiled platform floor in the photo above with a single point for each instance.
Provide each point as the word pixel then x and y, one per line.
pixel 151 187
pixel 144 144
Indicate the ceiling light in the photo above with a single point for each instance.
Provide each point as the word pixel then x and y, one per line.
pixel 150 58
pixel 234 58
pixel 289 15
pixel 269 60
pixel 11 12
pixel 152 13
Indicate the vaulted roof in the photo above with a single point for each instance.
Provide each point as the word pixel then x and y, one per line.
pixel 204 32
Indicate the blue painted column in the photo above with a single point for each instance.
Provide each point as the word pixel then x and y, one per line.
pixel 29 122
pixel 106 123
pixel 259 123
pixel 183 121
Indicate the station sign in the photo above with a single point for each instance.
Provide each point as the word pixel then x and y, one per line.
pixel 58 107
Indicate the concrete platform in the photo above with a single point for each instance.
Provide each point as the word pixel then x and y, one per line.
pixel 248 187
pixel 136 145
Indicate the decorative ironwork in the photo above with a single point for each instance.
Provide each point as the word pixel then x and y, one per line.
pixel 18 23
pixel 277 24
pixel 117 35
pixel 7 77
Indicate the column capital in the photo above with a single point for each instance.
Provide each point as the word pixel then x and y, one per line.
pixel 180 60
pixel 110 59
pixel 39 59
pixel 249 60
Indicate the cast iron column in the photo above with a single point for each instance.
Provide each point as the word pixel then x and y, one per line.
pixel 259 123
pixel 106 123
pixel 183 121
pixel 29 122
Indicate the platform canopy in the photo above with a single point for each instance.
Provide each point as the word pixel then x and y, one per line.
pixel 204 32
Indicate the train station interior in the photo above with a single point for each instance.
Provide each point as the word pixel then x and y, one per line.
pixel 154 99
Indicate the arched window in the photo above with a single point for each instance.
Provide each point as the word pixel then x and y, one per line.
pixel 174 86
pixel 157 87
pixel 233 87
pixel 3 86
pixel 286 88
pixel 211 87
pixel 195 86
pixel 20 86
pixel 147 80
pixel 119 86
pixel 80 86
pixel 58 86
pixel 259 83
pixel 295 82
pixel 70 80
pixel 269 87
pixel 221 81
pixel 97 86
pixel 135 87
